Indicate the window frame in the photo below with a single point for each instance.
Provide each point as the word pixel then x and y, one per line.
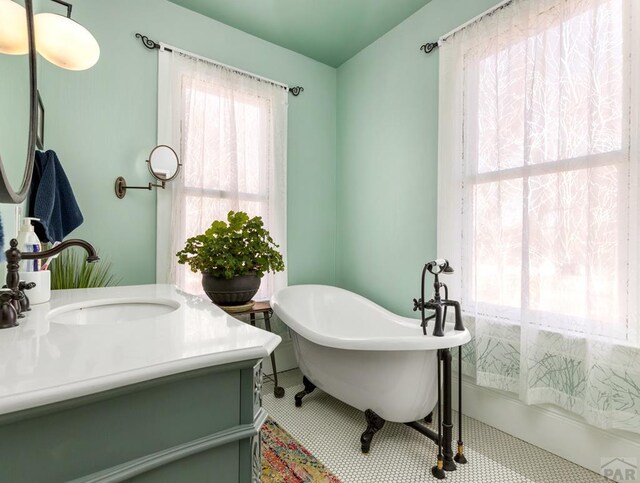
pixel 471 178
pixel 263 104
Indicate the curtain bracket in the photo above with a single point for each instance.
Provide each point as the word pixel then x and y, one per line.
pixel 429 47
pixel 147 42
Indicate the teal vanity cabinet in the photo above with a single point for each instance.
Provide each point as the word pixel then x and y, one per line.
pixel 200 426
pixel 184 406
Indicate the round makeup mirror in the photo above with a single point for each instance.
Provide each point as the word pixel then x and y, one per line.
pixel 164 164
pixel 18 99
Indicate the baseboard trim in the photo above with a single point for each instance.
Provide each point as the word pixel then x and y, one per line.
pixel 285 358
pixel 547 427
pixel 145 464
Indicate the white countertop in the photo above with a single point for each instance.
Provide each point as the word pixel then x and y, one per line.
pixel 43 362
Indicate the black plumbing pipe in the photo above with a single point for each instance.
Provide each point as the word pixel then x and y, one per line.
pixel 427 319
pixel 436 304
pixel 422 300
pixel 459 457
pixel 446 298
pixel 447 423
pixel 438 470
pixel 459 395
pixel 432 435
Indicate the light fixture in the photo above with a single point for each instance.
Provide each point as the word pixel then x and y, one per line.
pixel 64 42
pixel 13 28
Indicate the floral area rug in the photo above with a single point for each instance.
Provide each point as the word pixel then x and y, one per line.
pixel 284 460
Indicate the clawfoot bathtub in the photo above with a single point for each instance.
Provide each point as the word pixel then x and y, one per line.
pixel 362 354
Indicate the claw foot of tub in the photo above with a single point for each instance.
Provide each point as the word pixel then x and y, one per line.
pixel 429 418
pixel 308 389
pixel 374 424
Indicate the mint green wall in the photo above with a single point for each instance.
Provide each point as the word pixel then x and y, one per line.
pixel 381 193
pixel 102 123
pixel 387 157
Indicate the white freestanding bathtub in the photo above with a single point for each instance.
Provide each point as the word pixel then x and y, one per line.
pixel 363 354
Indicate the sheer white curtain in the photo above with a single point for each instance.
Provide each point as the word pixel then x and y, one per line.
pixel 538 190
pixel 232 130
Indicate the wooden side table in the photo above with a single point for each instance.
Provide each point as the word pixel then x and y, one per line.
pixel 265 309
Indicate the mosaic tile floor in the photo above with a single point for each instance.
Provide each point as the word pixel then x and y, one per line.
pixel 331 431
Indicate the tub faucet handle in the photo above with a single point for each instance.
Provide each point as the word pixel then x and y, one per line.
pixel 417 305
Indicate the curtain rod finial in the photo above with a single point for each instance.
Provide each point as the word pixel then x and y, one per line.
pixel 147 42
pixel 296 90
pixel 429 47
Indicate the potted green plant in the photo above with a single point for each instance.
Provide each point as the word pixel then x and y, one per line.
pixel 70 270
pixel 232 256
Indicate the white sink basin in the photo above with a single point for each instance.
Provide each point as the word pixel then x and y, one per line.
pixel 107 312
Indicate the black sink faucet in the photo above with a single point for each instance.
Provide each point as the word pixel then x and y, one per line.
pixel 12 296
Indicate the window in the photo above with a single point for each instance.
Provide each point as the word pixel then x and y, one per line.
pixel 538 201
pixel 537 134
pixel 231 128
pixel 226 163
pixel 548 171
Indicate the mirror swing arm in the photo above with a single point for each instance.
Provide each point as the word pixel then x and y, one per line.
pixel 121 184
pixel 121 187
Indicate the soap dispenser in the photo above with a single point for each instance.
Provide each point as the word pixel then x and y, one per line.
pixel 28 242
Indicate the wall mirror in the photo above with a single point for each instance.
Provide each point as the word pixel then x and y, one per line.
pixel 18 99
pixel 164 165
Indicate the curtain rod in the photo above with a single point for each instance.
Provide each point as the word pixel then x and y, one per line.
pixel 152 45
pixel 431 46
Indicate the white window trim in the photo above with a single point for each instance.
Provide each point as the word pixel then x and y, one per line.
pixel 166 135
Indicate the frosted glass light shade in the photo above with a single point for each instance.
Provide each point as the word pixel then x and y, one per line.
pixel 65 43
pixel 13 28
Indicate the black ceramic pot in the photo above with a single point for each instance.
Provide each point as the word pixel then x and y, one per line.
pixel 234 291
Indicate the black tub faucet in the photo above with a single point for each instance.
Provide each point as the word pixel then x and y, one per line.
pixel 437 303
pixel 11 298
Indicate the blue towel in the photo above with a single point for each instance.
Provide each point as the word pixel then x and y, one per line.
pixel 51 199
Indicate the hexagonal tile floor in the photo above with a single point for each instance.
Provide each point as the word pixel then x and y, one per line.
pixel 331 431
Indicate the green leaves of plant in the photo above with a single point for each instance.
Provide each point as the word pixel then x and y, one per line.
pixel 239 246
pixel 70 270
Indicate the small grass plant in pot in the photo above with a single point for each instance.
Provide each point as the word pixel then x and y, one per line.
pixel 70 270
pixel 232 256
